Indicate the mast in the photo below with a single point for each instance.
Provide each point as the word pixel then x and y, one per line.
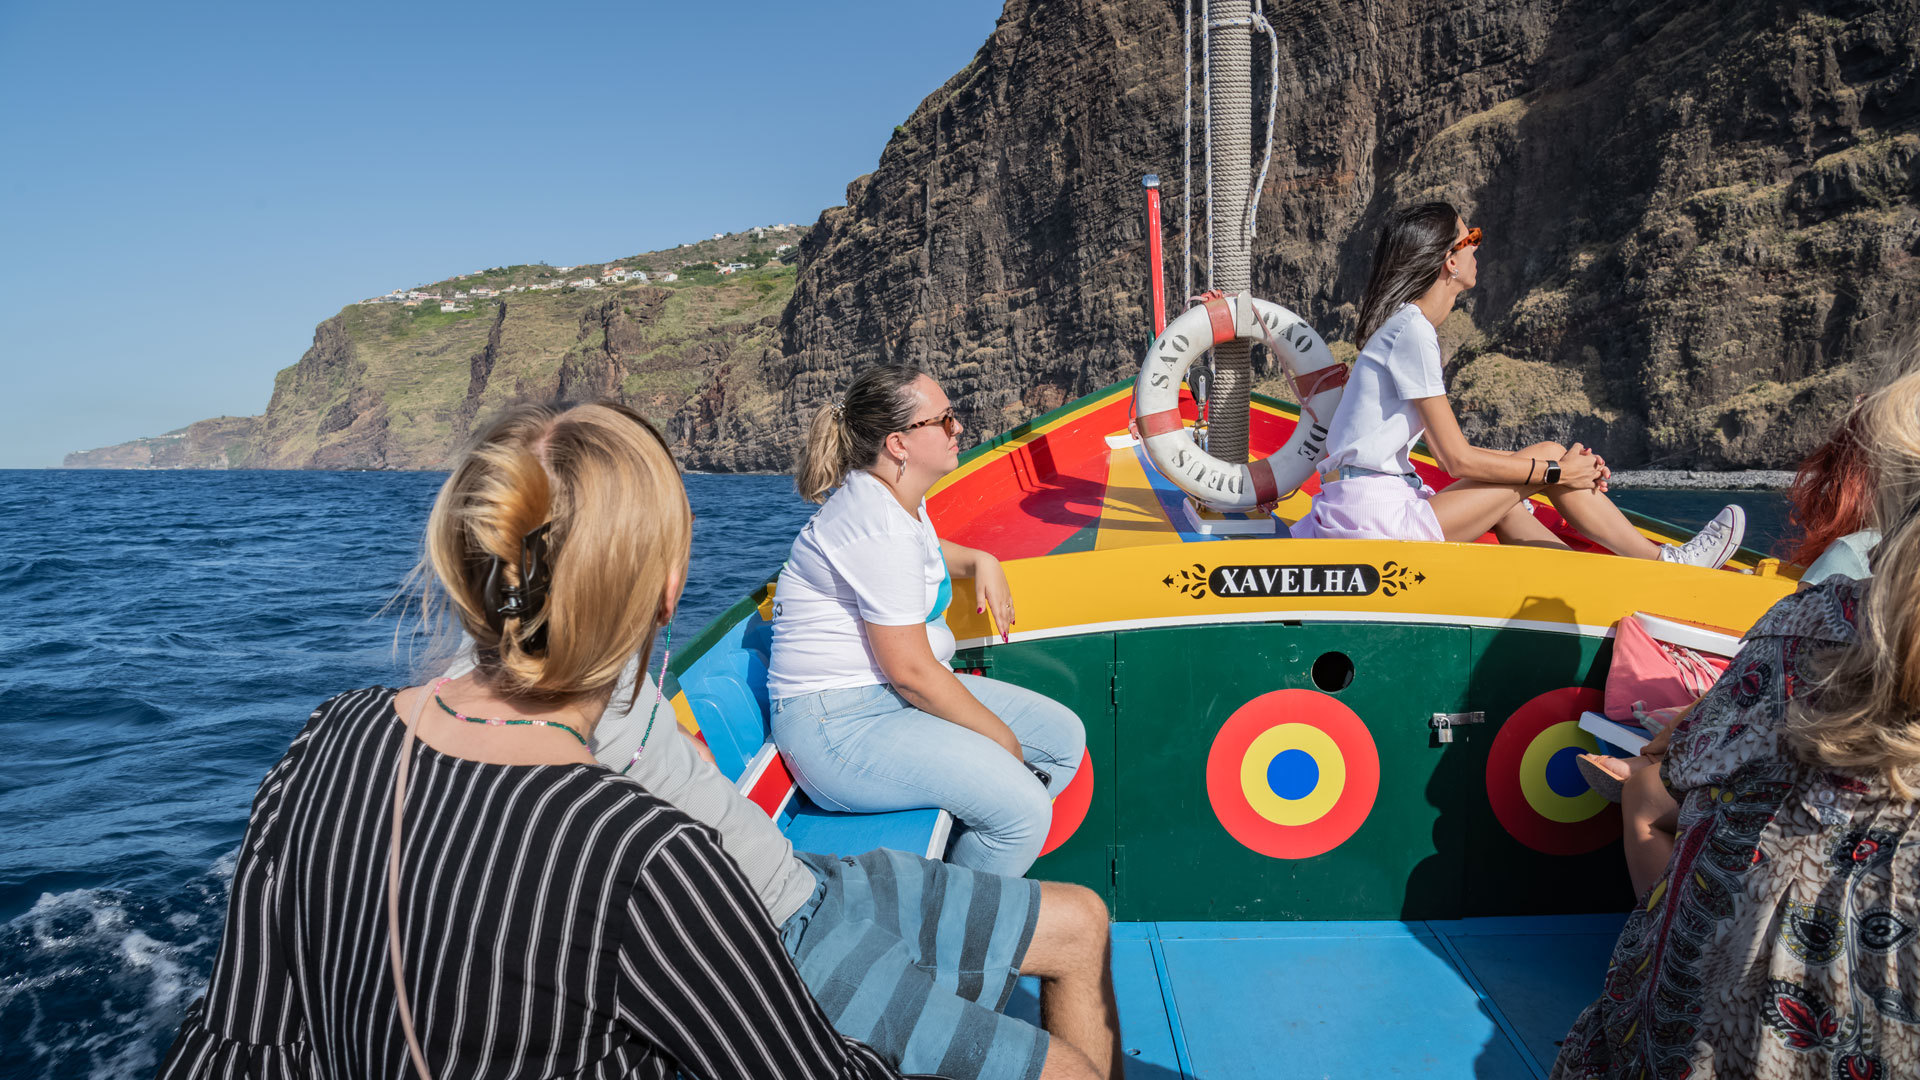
pixel 1229 183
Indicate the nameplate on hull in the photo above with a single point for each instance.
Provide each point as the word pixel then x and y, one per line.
pixel 1295 579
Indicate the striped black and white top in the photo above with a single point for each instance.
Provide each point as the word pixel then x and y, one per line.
pixel 558 921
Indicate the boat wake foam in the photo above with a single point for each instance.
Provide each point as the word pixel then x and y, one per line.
pixel 93 982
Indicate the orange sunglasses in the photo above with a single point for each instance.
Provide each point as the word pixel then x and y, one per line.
pixel 1472 239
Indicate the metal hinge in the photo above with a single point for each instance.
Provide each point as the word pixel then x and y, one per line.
pixel 1114 670
pixel 1445 722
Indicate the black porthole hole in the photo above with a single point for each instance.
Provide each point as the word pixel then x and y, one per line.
pixel 1333 672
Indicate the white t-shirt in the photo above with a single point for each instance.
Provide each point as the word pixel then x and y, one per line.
pixel 862 558
pixel 1376 424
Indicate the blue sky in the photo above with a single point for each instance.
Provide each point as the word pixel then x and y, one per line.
pixel 189 188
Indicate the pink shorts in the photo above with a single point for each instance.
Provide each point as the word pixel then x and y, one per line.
pixel 1370 508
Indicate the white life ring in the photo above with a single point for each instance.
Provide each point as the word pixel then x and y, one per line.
pixel 1317 381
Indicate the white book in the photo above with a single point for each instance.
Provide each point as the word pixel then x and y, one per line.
pixel 1627 736
pixel 1702 639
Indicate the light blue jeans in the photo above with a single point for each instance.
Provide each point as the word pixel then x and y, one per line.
pixel 867 750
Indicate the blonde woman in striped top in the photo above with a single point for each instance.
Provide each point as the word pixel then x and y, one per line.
pixel 544 915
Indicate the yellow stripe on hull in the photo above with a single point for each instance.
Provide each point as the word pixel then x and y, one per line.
pixel 1359 580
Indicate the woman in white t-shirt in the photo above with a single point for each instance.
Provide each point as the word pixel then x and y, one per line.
pixel 865 709
pixel 1426 258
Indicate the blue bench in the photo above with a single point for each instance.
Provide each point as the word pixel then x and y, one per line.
pixel 726 688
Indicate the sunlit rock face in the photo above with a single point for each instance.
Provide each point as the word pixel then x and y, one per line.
pixel 1701 217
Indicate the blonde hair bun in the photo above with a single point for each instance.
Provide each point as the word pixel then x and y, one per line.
pixel 600 480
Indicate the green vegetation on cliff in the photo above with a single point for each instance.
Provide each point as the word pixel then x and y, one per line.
pixel 389 384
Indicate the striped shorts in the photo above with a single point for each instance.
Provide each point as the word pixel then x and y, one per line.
pixel 916 959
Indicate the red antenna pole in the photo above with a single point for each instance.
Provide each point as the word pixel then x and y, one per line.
pixel 1155 262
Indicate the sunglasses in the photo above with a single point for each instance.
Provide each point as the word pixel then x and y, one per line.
pixel 949 423
pixel 1472 239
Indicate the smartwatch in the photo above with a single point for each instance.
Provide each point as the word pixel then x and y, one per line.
pixel 1553 474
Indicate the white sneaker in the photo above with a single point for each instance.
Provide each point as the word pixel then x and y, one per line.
pixel 1712 546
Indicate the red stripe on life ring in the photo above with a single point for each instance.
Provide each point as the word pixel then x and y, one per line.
pixel 1160 423
pixel 1220 313
pixel 1265 488
pixel 1314 383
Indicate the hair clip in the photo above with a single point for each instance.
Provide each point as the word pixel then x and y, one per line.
pixel 525 600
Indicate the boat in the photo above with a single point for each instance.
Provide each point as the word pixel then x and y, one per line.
pixel 1329 793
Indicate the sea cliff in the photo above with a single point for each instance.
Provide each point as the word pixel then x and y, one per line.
pixel 1702 224
pixel 1701 217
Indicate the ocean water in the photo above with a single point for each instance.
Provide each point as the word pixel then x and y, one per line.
pixel 163 637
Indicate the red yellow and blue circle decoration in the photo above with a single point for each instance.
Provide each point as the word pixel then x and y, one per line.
pixel 1293 774
pixel 1071 805
pixel 1534 783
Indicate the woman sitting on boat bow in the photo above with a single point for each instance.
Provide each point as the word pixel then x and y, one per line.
pixel 865 709
pixel 1425 259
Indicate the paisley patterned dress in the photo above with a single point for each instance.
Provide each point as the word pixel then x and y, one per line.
pixel 1781 942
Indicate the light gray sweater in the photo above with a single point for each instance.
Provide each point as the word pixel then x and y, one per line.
pixel 672 768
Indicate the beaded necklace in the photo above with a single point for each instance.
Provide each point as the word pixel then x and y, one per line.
pixel 659 695
pixel 659 692
pixel 457 715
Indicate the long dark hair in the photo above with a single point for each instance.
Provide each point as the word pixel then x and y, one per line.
pixel 848 434
pixel 1413 250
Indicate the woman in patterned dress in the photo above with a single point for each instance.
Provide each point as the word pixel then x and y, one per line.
pixel 1781 941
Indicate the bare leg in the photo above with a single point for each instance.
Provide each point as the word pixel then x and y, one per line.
pixel 1650 815
pixel 1066 1063
pixel 1602 522
pixel 1521 527
pixel 1468 508
pixel 1071 953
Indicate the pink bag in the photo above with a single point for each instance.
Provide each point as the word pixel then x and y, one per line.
pixel 1648 674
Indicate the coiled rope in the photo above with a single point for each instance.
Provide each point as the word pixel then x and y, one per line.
pixel 1186 166
pixel 1229 270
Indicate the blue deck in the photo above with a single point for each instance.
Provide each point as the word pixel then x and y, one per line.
pixel 1481 998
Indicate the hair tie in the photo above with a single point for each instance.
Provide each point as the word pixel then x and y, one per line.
pixel 525 600
pixel 839 407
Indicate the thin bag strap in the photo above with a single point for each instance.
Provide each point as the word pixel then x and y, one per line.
pixel 393 889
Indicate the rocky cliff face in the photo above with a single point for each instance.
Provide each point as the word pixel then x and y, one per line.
pixel 1701 217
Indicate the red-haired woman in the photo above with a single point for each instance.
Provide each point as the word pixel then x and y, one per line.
pixel 1831 497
